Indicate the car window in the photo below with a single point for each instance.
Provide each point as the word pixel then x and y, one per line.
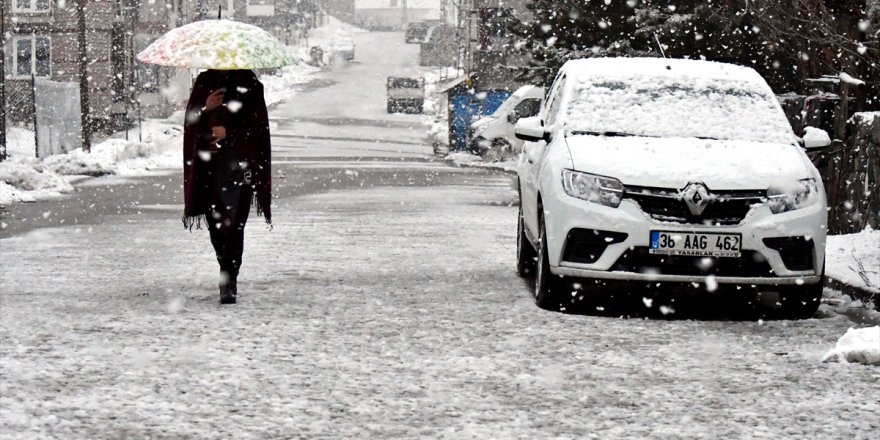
pixel 528 108
pixel 555 101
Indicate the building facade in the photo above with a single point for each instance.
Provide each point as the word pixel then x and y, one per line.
pixel 490 53
pixel 394 14
pixel 41 42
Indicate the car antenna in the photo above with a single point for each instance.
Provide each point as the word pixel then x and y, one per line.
pixel 662 52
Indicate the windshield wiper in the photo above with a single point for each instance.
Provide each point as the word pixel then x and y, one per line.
pixel 625 134
pixel 604 133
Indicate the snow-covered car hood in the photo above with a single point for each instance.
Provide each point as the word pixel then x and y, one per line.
pixel 674 162
pixel 478 126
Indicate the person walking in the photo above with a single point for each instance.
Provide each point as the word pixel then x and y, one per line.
pixel 226 164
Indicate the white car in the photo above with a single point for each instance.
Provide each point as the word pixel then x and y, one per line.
pixel 668 171
pixel 494 134
pixel 343 47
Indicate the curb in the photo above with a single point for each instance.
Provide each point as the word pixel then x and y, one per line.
pixel 481 166
pixel 858 293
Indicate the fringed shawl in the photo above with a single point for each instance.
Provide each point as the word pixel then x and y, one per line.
pixel 247 130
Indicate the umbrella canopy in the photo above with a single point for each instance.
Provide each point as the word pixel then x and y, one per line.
pixel 218 44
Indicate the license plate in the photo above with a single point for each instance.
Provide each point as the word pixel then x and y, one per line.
pixel 694 244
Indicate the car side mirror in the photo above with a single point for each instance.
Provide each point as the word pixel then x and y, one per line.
pixel 530 129
pixel 815 138
pixel 512 117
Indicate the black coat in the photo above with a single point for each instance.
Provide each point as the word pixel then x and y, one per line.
pixel 247 132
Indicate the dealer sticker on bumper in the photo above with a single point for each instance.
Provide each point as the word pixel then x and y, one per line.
pixel 695 244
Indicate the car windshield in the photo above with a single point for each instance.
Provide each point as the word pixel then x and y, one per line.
pixel 506 106
pixel 509 104
pixel 677 107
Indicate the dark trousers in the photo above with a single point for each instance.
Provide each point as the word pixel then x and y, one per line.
pixel 227 232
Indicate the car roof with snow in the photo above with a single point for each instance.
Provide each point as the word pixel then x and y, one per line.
pixel 656 97
pixel 659 67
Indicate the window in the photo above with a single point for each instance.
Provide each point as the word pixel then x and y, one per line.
pixel 555 101
pixel 527 108
pixel 261 7
pixel 148 78
pixel 30 5
pixel 32 55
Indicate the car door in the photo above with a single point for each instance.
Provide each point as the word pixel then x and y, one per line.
pixel 534 154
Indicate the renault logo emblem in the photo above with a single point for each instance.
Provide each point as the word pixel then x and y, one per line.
pixel 696 197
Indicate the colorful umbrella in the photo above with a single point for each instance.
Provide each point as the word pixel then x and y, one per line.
pixel 218 44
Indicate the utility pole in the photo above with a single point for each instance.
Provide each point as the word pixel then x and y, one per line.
pixel 3 81
pixel 85 117
pixel 404 19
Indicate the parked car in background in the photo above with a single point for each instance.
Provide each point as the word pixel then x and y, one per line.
pixel 416 31
pixel 672 172
pixel 493 136
pixel 343 47
pixel 405 95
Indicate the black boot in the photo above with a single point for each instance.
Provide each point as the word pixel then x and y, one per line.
pixel 228 291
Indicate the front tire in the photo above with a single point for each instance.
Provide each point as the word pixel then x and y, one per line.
pixel 547 285
pixel 801 302
pixel 525 252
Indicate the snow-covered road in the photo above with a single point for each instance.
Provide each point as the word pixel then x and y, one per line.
pixel 383 312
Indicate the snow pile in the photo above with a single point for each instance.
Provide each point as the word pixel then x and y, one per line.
pixel 857 346
pixel 280 86
pixel 815 137
pixel 854 259
pixel 697 99
pixel 159 148
pixel 465 159
pixel 847 78
pixel 327 36
pixel 26 180
pixel 864 117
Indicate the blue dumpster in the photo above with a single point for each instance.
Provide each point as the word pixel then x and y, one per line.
pixel 466 106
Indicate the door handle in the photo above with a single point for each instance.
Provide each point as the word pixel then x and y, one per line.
pixel 531 160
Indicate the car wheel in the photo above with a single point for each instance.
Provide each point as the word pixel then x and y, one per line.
pixel 801 302
pixel 547 295
pixel 525 252
pixel 502 148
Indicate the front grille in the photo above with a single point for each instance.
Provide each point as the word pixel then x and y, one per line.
pixel 640 260
pixel 796 252
pixel 725 207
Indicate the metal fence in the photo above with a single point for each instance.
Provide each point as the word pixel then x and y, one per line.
pixel 51 122
pixel 20 134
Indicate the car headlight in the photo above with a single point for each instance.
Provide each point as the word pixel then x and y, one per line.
pixel 803 194
pixel 597 189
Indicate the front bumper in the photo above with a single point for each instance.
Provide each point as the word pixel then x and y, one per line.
pixel 564 214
